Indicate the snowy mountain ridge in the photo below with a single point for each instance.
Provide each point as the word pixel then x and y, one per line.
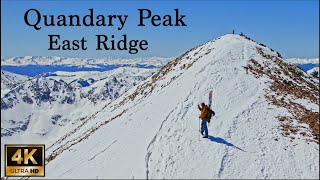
pixel 10 80
pixel 265 124
pixel 55 102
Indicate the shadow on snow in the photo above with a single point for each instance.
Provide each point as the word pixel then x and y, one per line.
pixel 222 141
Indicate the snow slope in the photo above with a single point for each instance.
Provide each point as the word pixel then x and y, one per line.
pixel 152 130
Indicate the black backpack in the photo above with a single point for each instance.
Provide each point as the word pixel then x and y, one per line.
pixel 210 114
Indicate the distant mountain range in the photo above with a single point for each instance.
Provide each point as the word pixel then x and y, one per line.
pixel 52 101
pixel 311 66
pixel 303 60
pixel 83 62
pixel 48 91
pixel 36 65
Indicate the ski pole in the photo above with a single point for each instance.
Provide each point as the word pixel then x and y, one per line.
pixel 199 130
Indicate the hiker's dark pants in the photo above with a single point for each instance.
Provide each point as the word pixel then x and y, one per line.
pixel 204 127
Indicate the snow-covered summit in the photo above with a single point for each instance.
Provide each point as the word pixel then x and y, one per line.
pixel 265 124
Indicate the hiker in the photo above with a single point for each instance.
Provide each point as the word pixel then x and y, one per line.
pixel 204 109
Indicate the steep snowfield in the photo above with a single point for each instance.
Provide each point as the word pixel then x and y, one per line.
pixel 152 130
pixel 88 62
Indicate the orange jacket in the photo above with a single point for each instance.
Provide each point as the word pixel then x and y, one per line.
pixel 204 111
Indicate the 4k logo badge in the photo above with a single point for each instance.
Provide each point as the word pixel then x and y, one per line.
pixel 24 160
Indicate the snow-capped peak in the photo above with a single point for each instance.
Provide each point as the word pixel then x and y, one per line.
pixel 265 110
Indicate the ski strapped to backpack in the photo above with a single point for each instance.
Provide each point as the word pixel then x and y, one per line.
pixel 210 111
pixel 210 99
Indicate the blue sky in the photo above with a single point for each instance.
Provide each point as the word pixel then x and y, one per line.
pixel 290 27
